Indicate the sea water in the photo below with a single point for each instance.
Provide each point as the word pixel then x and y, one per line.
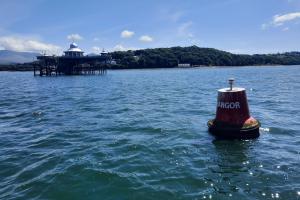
pixel 142 134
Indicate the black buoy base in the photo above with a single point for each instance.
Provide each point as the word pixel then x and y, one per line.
pixel 229 132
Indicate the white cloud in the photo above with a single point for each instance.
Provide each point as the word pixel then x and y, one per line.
pixel 183 29
pixel 286 29
pixel 96 39
pixel 96 49
pixel 184 32
pixel 26 44
pixel 175 16
pixel 264 26
pixel 279 20
pixel 127 34
pixel 120 47
pixel 146 38
pixel 74 37
pixel 171 15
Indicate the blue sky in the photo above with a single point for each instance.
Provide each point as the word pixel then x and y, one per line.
pixel 238 26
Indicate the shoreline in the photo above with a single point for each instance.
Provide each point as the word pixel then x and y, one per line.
pixel 23 69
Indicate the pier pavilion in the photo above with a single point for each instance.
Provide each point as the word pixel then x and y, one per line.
pixel 73 62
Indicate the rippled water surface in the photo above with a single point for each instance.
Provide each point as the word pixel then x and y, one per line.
pixel 141 134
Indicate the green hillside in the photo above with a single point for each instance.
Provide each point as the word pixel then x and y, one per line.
pixel 196 56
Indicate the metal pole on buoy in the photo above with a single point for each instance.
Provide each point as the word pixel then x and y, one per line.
pixel 233 118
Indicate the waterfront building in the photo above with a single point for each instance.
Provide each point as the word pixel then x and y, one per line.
pixel 73 62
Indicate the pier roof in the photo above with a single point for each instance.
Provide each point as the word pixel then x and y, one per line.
pixel 74 48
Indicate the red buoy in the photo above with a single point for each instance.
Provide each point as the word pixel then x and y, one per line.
pixel 233 118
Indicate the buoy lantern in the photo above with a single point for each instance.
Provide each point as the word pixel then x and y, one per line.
pixel 233 118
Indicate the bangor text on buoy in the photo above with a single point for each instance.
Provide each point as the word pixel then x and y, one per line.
pixel 229 105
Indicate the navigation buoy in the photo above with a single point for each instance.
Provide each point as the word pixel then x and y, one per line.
pixel 233 118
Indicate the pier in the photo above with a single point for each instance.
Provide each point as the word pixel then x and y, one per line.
pixel 73 62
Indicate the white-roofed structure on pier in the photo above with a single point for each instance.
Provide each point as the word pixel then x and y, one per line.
pixel 73 62
pixel 74 51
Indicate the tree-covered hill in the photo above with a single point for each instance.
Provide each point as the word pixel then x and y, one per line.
pixel 196 56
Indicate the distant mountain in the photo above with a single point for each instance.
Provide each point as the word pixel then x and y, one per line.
pixel 13 57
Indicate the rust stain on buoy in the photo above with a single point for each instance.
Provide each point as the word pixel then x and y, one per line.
pixel 233 118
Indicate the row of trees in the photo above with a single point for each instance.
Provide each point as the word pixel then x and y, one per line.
pixel 196 56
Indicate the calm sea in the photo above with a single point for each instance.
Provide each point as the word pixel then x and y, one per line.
pixel 141 134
